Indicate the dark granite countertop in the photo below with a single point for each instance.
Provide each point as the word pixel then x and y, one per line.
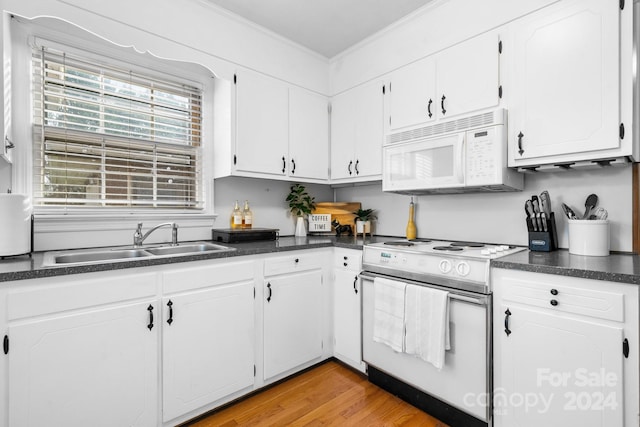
pixel 617 267
pixel 24 267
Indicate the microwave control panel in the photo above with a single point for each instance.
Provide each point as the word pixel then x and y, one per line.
pixel 484 156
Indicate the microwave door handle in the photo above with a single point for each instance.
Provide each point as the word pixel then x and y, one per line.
pixel 462 158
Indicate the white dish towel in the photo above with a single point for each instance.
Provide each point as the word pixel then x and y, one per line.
pixel 388 313
pixel 427 324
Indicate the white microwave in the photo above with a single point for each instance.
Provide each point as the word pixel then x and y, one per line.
pixel 463 155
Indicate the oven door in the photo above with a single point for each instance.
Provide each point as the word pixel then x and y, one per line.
pixel 424 164
pixel 465 379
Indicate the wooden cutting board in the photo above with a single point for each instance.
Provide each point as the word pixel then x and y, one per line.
pixel 342 211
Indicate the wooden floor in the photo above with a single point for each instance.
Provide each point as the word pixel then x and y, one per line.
pixel 328 395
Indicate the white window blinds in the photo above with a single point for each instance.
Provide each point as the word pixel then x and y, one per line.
pixel 106 136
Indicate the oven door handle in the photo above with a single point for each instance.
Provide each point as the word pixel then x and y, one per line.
pixel 453 294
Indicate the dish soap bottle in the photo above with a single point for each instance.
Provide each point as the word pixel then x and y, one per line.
pixel 411 225
pixel 236 217
pixel 247 215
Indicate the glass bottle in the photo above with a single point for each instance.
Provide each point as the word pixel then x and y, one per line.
pixel 411 225
pixel 247 216
pixel 236 217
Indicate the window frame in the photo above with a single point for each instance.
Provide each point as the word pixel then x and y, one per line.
pixel 65 218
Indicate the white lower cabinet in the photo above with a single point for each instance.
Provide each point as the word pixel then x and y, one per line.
pixel 293 320
pixel 565 351
pixel 89 365
pixel 347 308
pixel 207 339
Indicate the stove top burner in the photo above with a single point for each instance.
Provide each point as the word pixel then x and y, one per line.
pixel 399 243
pixel 467 244
pixel 448 248
pixel 421 240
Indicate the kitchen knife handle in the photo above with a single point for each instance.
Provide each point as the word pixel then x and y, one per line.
pixel 150 310
pixel 430 114
pixel 269 289
pixel 170 305
pixel 507 314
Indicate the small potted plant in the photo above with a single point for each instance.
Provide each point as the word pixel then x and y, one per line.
pixel 363 220
pixel 300 205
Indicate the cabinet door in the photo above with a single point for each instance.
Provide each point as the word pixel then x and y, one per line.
pixel 468 76
pixel 343 134
pixel 208 346
pixel 292 321
pixel 568 370
pixel 95 368
pixel 412 95
pixel 262 109
pixel 565 94
pixel 369 131
pixel 308 135
pixel 346 316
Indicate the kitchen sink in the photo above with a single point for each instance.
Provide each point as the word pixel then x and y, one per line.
pixel 101 256
pixel 85 257
pixel 187 249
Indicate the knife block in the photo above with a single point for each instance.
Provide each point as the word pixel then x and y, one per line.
pixel 543 241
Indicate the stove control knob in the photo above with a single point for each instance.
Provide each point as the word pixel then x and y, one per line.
pixel 499 248
pixel 462 268
pixel 485 252
pixel 505 247
pixel 493 250
pixel 445 266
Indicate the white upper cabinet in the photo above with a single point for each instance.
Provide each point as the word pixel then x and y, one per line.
pixel 262 109
pixel 357 132
pixel 566 102
pixel 461 79
pixel 267 129
pixel 308 135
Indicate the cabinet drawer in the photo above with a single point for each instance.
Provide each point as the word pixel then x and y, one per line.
pixel 205 275
pixel 567 298
pixel 52 295
pixel 350 259
pixel 291 263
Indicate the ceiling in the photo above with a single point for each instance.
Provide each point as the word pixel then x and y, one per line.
pixel 327 27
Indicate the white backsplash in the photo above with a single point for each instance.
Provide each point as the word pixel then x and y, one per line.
pixel 499 217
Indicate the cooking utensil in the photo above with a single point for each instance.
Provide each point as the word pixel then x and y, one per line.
pixel 589 204
pixel 545 201
pixel 568 211
pixel 532 215
pixel 600 213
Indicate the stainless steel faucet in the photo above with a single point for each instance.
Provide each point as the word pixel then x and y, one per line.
pixel 138 237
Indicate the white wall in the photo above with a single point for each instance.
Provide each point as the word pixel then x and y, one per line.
pixel 266 199
pixel 499 217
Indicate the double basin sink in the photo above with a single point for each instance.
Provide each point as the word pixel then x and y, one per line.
pixel 100 256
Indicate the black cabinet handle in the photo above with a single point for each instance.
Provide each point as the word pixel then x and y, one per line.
pixel 170 305
pixel 554 292
pixel 429 107
pixel 345 257
pixel 349 167
pixel 357 163
pixel 293 166
pixel 150 310
pixel 5 344
pixel 625 348
pixel 284 164
pixel 553 302
pixel 507 314
pixel 355 281
pixel 442 105
pixel 269 289
pixel 520 150
pixel 345 264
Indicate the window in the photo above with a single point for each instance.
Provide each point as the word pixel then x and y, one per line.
pixel 113 135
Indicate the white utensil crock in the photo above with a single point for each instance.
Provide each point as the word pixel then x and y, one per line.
pixel 15 224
